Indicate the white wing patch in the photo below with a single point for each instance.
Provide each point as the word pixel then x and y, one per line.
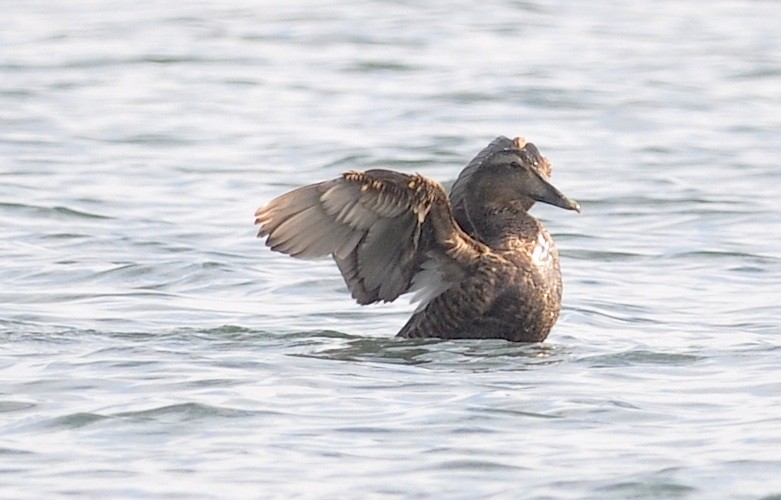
pixel 431 281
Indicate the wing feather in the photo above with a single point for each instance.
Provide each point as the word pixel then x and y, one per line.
pixel 287 205
pixel 383 229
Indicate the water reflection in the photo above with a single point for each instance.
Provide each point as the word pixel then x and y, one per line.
pixel 480 355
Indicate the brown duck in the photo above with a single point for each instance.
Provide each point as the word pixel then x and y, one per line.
pixel 480 265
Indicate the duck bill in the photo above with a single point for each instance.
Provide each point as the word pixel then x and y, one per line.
pixel 545 192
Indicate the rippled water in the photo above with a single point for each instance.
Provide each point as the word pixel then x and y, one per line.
pixel 151 346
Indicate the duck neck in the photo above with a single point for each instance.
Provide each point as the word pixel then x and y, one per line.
pixel 495 223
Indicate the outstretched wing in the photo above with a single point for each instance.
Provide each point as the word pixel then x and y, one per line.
pixel 388 232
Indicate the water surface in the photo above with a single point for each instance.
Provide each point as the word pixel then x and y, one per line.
pixel 151 346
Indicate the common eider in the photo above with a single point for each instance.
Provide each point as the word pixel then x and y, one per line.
pixel 480 265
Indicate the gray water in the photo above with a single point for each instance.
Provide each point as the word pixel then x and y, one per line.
pixel 151 346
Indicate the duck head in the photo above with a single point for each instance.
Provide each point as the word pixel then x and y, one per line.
pixel 514 178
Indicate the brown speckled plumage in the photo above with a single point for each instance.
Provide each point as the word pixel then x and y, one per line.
pixel 481 265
